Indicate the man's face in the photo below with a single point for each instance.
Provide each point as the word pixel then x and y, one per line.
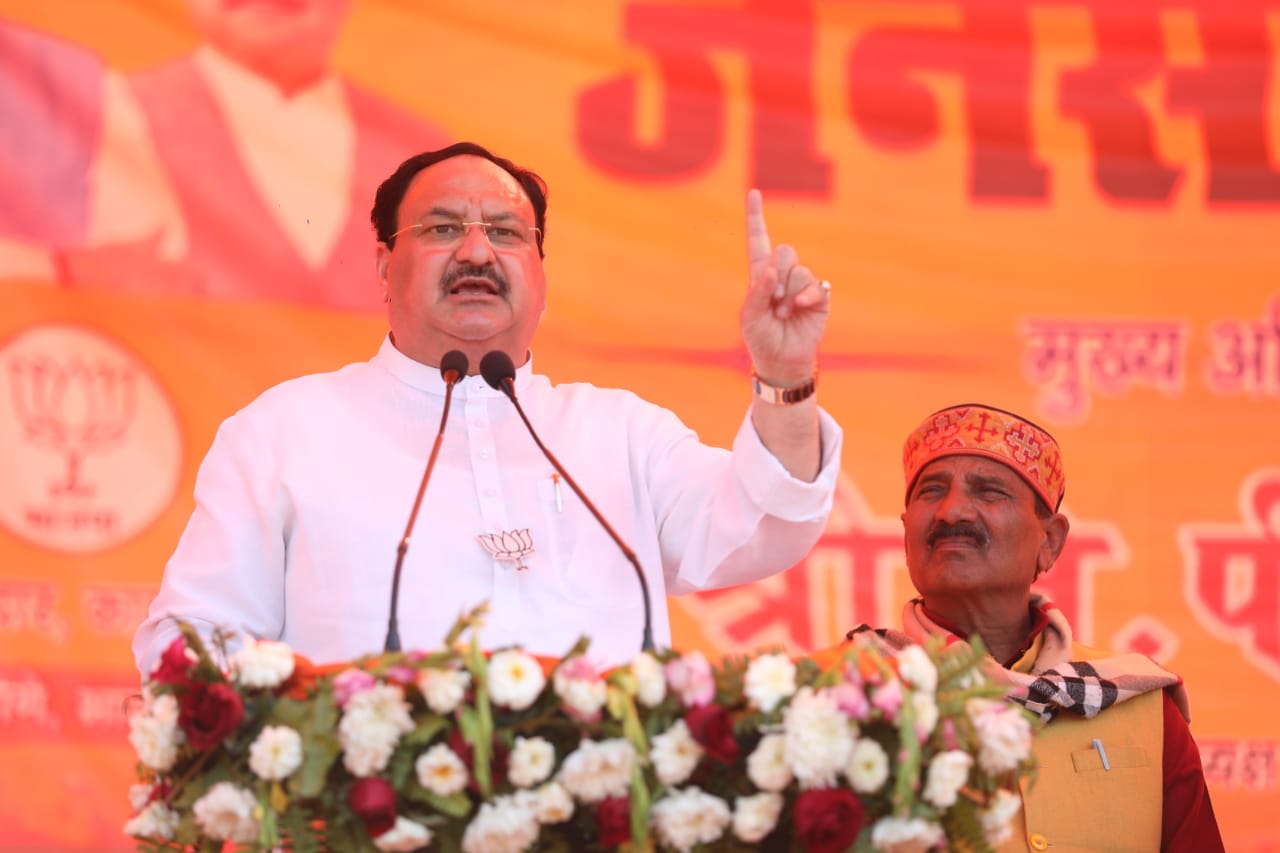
pixel 972 532
pixel 286 39
pixel 467 296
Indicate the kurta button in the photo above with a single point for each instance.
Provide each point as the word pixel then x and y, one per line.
pixel 1038 841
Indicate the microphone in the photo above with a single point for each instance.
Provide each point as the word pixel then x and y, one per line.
pixel 497 369
pixel 453 367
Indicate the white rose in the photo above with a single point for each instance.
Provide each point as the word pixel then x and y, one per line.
pixel 261 663
pixel 225 812
pixel 769 680
pixel 1004 734
pixel 443 689
pixel 371 726
pixel 140 796
pixel 441 771
pixel 651 682
pixel 154 732
pixel 902 835
pixel 504 825
pixel 553 803
pixel 948 771
pixel 868 766
pixel 405 837
pixel 755 817
pixel 580 687
pixel 997 817
pixel 164 707
pixel 767 766
pixel 597 770
pixel 675 754
pixel 926 712
pixel 685 818
pixel 915 668
pixel 515 679
pixel 275 752
pixel 531 761
pixel 156 820
pixel 819 738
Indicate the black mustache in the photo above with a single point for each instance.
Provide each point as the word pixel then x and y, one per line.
pixel 488 273
pixel 963 530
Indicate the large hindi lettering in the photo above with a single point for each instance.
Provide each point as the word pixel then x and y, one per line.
pixel 775 37
pixel 1209 65
pixel 1233 573
pixel 991 52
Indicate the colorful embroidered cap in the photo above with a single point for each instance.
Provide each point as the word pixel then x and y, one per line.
pixel 976 430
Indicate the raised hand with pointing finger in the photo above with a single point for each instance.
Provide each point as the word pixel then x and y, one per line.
pixel 783 319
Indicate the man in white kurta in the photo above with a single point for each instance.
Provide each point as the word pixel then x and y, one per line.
pixel 303 498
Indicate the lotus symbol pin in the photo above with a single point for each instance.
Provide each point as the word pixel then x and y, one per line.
pixel 509 546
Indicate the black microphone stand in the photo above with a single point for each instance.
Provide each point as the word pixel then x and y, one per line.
pixel 453 366
pixel 497 369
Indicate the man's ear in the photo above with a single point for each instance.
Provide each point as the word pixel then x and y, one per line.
pixel 1056 528
pixel 382 260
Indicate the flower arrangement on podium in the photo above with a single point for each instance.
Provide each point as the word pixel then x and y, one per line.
pixel 856 748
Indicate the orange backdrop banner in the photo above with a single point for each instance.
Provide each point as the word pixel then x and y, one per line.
pixel 1067 209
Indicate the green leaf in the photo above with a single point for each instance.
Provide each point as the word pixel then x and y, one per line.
pixel 470 621
pixel 481 723
pixel 639 809
pixel 907 773
pixel 454 805
pixel 963 825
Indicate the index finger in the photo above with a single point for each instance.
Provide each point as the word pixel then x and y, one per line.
pixel 759 249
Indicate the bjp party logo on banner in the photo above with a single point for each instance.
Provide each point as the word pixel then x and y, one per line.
pixel 89 441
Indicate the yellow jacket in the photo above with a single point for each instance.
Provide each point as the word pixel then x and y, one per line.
pixel 1076 804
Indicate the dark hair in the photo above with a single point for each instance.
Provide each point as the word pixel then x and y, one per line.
pixel 386 203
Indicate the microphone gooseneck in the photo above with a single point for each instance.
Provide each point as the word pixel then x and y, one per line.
pixel 498 370
pixel 453 367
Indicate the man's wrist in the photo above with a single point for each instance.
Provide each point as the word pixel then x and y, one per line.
pixel 784 395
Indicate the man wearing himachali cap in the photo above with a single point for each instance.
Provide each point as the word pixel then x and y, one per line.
pixel 1118 768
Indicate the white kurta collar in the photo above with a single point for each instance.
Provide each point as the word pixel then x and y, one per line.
pixel 426 377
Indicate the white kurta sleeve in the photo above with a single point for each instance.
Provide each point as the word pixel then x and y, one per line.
pixel 228 569
pixel 732 517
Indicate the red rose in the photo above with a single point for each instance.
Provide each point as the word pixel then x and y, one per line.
pixel 613 819
pixel 374 802
pixel 828 819
pixel 711 727
pixel 174 667
pixel 209 712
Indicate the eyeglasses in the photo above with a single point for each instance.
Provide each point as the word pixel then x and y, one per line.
pixel 450 232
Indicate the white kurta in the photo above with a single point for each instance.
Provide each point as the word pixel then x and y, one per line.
pixel 305 494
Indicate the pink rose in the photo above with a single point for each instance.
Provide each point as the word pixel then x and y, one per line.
pixel 349 682
pixel 887 698
pixel 691 677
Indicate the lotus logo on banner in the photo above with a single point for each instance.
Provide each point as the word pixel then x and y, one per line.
pixel 89 441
